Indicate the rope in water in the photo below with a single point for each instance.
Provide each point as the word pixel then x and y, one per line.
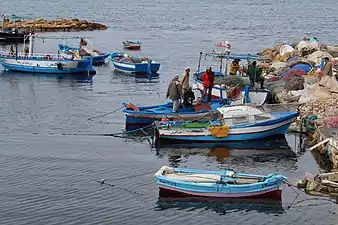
pixel 293 187
pixel 106 113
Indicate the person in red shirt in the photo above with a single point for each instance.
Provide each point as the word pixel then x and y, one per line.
pixel 208 83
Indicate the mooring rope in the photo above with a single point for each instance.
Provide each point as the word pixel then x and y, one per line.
pixel 134 193
pixel 293 187
pixel 106 113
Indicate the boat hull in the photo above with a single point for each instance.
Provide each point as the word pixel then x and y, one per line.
pixel 9 37
pixel 141 119
pixel 132 45
pixel 97 60
pixel 149 114
pixel 136 67
pixel 32 65
pixel 260 131
pixel 273 193
pixel 217 184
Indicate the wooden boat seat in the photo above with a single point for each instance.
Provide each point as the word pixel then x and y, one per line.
pixel 196 178
pixel 210 178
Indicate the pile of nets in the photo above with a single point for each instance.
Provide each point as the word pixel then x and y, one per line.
pixel 139 60
pixel 331 122
pixel 295 83
pixel 230 81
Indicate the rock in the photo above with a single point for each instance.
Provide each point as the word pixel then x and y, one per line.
pixel 56 25
pixel 322 189
pixel 302 183
pixel 331 189
pixel 333 177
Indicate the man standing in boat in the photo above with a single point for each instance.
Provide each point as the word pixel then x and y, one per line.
pixel 235 67
pixel 208 82
pixel 184 81
pixel 174 93
pixel 254 73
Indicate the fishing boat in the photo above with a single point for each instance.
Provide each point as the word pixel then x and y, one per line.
pixel 137 117
pixel 128 64
pixel 235 123
pixel 219 184
pixel 43 63
pixel 14 35
pixel 99 58
pixel 132 45
pixel 142 116
pixel 253 95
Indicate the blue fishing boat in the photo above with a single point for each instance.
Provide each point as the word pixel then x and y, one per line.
pixel 43 63
pixel 235 123
pixel 252 95
pixel 128 64
pixel 99 58
pixel 217 184
pixel 137 117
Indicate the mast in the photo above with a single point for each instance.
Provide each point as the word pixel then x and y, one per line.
pixel 3 23
pixel 31 45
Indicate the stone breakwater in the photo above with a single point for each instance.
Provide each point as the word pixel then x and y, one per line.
pixel 41 25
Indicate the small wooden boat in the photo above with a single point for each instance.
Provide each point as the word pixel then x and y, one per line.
pixel 137 117
pixel 236 123
pixel 128 64
pixel 220 184
pixel 132 45
pixel 83 53
pixel 14 35
pixel 44 63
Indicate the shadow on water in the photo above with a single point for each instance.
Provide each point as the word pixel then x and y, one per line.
pixel 220 206
pixel 78 78
pixel 274 150
pixel 149 77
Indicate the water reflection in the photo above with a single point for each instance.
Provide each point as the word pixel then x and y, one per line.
pixel 220 206
pixel 276 150
pixel 150 77
pixel 78 78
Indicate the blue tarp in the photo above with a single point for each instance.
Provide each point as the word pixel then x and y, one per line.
pixel 303 66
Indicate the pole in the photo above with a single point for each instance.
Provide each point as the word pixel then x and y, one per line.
pixel 199 63
pixel 30 45
pixel 220 68
pixel 3 23
pixel 16 51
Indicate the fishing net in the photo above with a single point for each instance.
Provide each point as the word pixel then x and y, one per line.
pixel 138 60
pixel 295 83
pixel 231 81
pixel 331 122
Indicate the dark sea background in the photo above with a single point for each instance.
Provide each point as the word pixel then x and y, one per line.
pixel 51 155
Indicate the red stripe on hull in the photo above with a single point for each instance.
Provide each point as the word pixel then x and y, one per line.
pixel 133 47
pixel 165 192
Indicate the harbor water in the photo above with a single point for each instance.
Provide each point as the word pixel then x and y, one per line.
pixel 55 147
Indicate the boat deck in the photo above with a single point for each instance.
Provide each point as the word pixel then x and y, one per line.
pixel 207 178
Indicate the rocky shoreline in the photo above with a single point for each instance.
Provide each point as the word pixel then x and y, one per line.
pixel 42 25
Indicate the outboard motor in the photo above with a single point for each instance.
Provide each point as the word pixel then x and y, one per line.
pixel 59 65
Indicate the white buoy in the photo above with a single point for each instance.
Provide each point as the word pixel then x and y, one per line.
pixel 102 181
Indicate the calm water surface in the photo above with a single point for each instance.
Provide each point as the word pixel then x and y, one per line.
pixel 52 156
